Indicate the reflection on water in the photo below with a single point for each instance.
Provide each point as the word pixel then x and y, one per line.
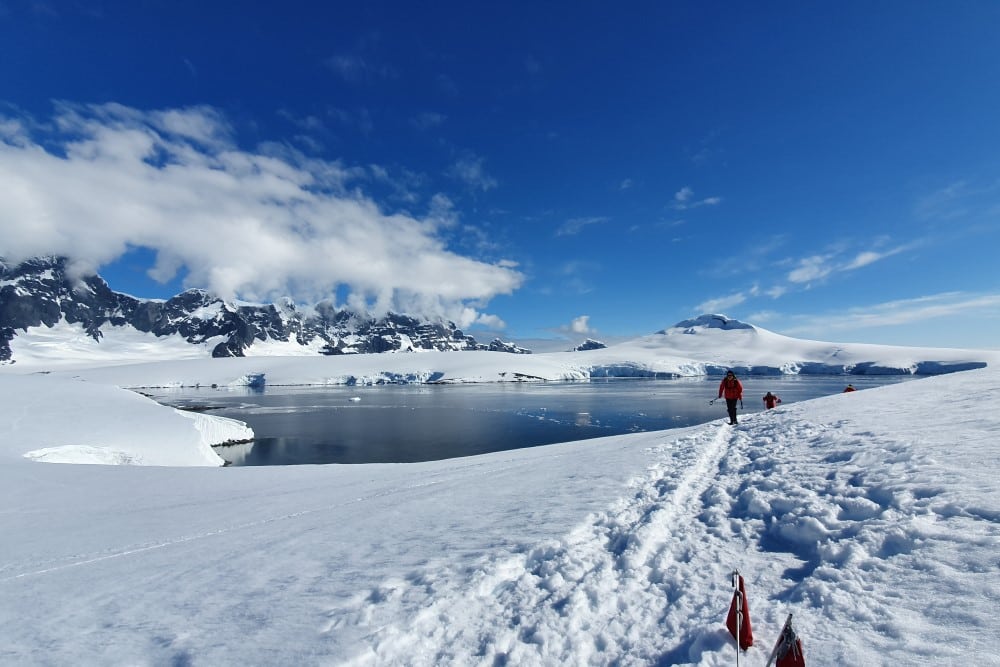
pixel 403 423
pixel 236 454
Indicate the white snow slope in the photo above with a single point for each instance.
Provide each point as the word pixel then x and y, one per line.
pixel 873 517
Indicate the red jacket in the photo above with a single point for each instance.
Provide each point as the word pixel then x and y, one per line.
pixel 732 388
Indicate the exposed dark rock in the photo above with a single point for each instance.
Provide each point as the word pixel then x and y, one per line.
pixel 710 322
pixel 589 344
pixel 497 345
pixel 38 292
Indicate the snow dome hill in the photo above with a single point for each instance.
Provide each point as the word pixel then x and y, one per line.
pixel 719 343
pixel 712 344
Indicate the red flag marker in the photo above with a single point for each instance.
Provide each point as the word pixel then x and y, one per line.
pixel 788 649
pixel 738 620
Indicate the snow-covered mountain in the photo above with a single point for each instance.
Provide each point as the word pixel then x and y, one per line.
pixel 85 319
pixel 708 345
pixel 589 344
pixel 715 343
pixel 48 320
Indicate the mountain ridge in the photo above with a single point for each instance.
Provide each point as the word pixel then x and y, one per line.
pixel 38 292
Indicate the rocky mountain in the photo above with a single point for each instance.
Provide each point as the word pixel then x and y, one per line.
pixel 589 344
pixel 38 293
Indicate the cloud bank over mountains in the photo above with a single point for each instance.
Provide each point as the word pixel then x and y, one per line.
pixel 95 182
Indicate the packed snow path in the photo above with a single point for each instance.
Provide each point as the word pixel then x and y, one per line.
pixel 872 517
pixel 593 597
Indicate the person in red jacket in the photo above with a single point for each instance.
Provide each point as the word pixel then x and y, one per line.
pixel 770 400
pixel 732 388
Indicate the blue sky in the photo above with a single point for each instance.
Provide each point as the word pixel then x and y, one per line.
pixel 537 170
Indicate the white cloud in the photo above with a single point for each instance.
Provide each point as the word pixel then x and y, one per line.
pixel 863 259
pixel 576 225
pixel 817 267
pixel 576 275
pixel 581 325
pixel 806 271
pixel 490 321
pixel 721 304
pixel 256 225
pixel 901 312
pixel 811 268
pixel 355 69
pixel 961 206
pixel 469 170
pixel 684 200
pixel 12 131
pixel 868 257
pixel 946 203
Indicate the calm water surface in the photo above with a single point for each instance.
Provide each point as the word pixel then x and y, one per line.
pixel 404 423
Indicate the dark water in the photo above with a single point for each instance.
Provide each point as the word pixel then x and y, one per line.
pixel 403 423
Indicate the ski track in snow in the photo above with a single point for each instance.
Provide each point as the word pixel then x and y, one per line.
pixel 615 590
pixel 536 607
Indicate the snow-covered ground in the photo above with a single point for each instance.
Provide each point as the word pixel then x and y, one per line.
pixel 873 517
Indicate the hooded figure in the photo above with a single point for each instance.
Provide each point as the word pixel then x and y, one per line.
pixel 732 388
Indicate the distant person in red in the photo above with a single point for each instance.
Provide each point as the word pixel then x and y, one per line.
pixel 770 400
pixel 848 388
pixel 733 391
